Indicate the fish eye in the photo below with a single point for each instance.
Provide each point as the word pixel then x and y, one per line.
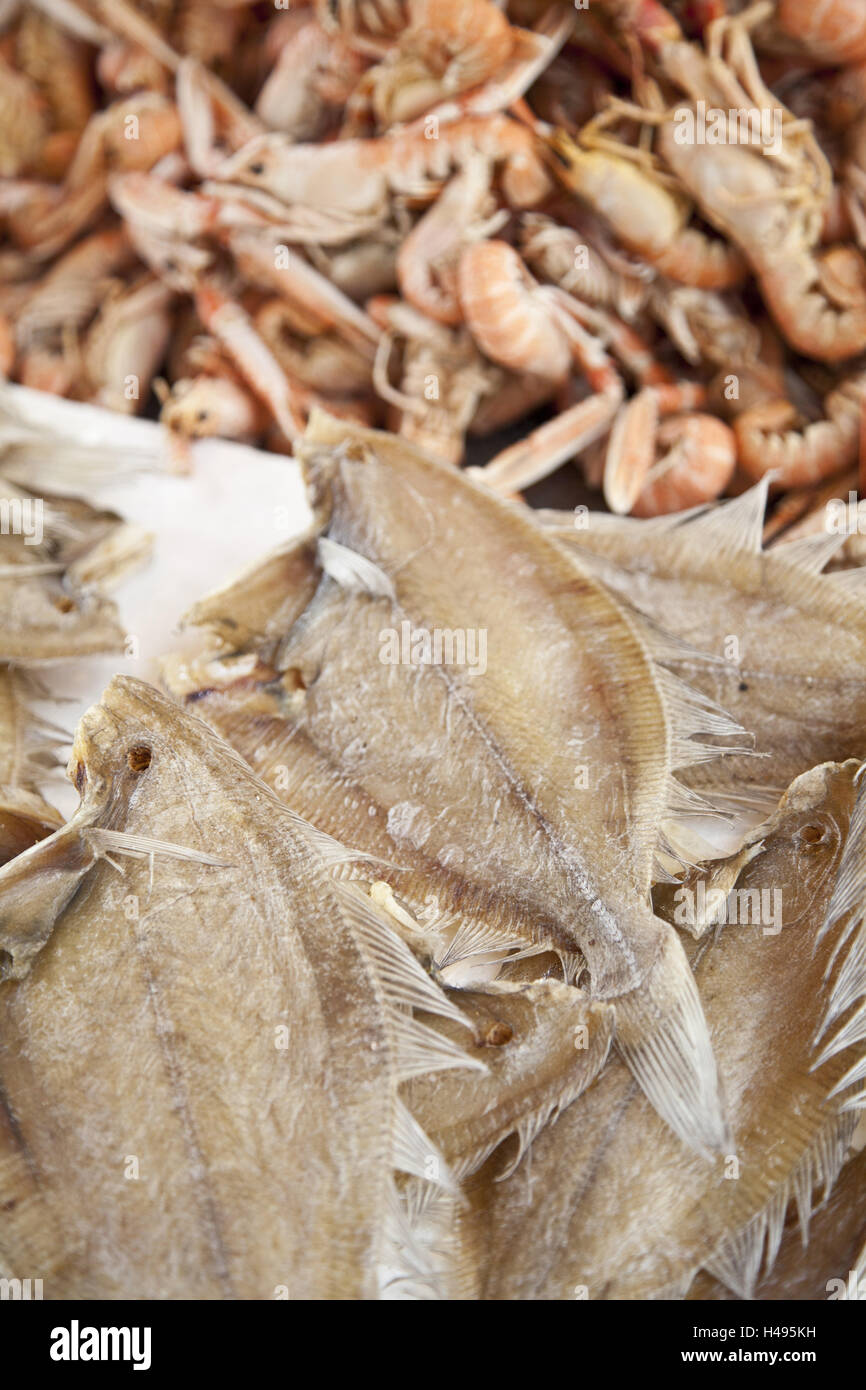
pixel 497 1034
pixel 257 167
pixel 139 757
pixel 201 414
pixel 812 834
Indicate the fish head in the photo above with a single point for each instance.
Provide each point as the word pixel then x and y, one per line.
pixel 804 840
pixel 124 746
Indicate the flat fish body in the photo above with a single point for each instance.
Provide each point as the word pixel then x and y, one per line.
pixel 541 780
pixel 786 636
pixel 46 613
pixel 574 1216
pixel 25 815
pixel 199 1056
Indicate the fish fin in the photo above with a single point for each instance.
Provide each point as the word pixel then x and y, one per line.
pixel 143 846
pixel 851 583
pixel 474 939
pixel 750 1253
pixel 264 600
pixel 695 716
pixel 405 986
pixel 353 571
pixel 846 971
pixel 731 527
pixel 415 1152
pixel 737 1261
pixel 35 741
pixel 809 554
pixel 404 981
pixel 662 1035
pixel 419 1246
pixel 683 800
pixel 665 647
pixel 564 524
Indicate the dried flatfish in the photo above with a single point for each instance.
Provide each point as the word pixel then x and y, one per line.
pixel 540 781
pixel 54 553
pixel 790 640
pixel 614 1208
pixel 823 1270
pixel 444 921
pixel 56 444
pixel 544 1044
pixel 26 756
pixel 204 1031
pixel 48 613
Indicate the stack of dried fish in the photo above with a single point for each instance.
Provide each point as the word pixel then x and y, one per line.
pixel 416 872
pixel 445 216
pixel 58 555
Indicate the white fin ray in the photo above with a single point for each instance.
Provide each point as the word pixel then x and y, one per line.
pixel 809 554
pixel 851 582
pixel 673 1059
pixel 775 1213
pixel 738 1260
pixel 853 1031
pixel 409 1255
pixel 421 1050
pixel 732 527
pixel 694 716
pixel 473 939
pixel 855 1073
pixel 686 801
pixel 143 847
pixel 415 1152
pixel 664 647
pixel 404 980
pixel 352 571
pixel 847 966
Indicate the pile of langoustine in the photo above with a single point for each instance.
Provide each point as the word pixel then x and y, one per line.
pixel 447 215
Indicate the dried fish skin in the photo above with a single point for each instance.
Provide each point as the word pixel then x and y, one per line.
pixel 254 711
pixel 142 1023
pixel 799 634
pixel 25 757
pixel 582 830
pixel 43 618
pixel 264 601
pixel 837 1233
pixel 54 554
pixel 794 1098
pixel 543 1043
pixel 46 613
pixel 403 538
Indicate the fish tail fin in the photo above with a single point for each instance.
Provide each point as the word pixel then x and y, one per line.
pixel 663 1037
